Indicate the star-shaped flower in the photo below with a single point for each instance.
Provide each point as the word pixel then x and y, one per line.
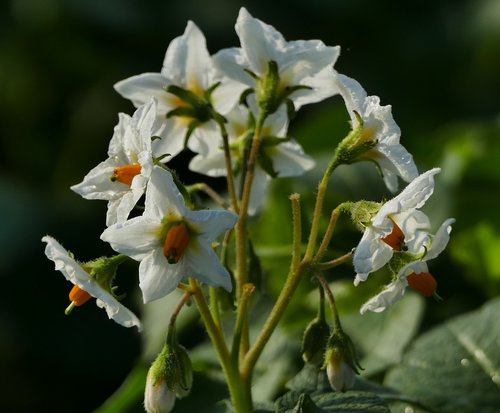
pixel 414 274
pixel 379 126
pixel 188 88
pixel 87 286
pixel 304 67
pixel 279 156
pixel 171 241
pixel 122 178
pixel 396 225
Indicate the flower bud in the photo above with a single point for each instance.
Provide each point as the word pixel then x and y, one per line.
pixel 180 371
pixel 314 341
pixel 340 375
pixel 158 398
pixel 341 361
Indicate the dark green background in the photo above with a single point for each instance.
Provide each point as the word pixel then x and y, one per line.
pixel 437 63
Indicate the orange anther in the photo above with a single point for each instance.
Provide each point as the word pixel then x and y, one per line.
pixel 78 296
pixel 176 242
pixel 126 173
pixel 423 282
pixel 396 238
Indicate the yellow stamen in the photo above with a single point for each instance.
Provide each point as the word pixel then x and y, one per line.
pixel 396 238
pixel 424 283
pixel 176 242
pixel 125 174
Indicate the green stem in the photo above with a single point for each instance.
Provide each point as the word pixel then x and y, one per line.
pixel 241 320
pixel 297 232
pixel 333 263
pixel 328 234
pixel 239 388
pixel 241 225
pixel 229 169
pixel 209 191
pixel 331 300
pixel 322 187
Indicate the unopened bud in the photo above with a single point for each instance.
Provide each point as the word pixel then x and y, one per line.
pixel 158 398
pixel 341 361
pixel 314 341
pixel 340 375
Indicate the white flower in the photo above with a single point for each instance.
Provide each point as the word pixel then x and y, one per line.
pixel 75 273
pixel 171 241
pixel 378 124
pixel 122 178
pixel 188 65
pixel 394 291
pixel 397 222
pixel 300 63
pixel 287 157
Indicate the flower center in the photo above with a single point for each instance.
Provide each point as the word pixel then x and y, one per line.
pixel 396 238
pixel 176 242
pixel 423 282
pixel 125 174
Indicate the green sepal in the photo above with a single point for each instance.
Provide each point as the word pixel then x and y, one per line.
pixel 315 340
pixel 244 95
pixel 341 345
pixel 401 259
pixel 103 271
pixel 362 212
pixel 266 163
pixel 269 141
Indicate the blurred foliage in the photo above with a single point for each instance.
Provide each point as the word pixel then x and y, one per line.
pixel 437 65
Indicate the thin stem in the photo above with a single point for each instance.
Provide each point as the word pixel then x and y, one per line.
pixel 241 319
pixel 333 263
pixel 272 321
pixel 238 388
pixel 241 225
pixel 297 232
pixel 214 307
pixel 229 169
pixel 210 192
pixel 328 234
pixel 185 298
pixel 331 300
pixel 322 187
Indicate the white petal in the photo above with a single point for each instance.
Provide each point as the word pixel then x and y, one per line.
pixel 260 41
pixel 440 240
pixel 187 62
pixel 118 312
pixel 212 165
pixel 413 196
pixel 202 263
pixel 97 183
pixel 139 89
pixel 231 63
pixel 135 237
pixel 391 294
pixel 260 187
pixel 321 87
pixel 157 277
pixel 289 159
pixel 208 224
pixel 162 196
pixel 371 254
pixel 400 160
pixel 353 94
pixel 227 95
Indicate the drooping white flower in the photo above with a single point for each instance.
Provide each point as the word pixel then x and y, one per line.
pixel 304 63
pixel 397 223
pixel 286 157
pixel 87 286
pixel 378 125
pixel 122 178
pixel 414 274
pixel 171 241
pixel 187 65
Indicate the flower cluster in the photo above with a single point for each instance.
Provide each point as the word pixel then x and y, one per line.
pixel 232 110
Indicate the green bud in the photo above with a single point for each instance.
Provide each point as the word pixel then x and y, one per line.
pixel 178 369
pixel 362 212
pixel 314 341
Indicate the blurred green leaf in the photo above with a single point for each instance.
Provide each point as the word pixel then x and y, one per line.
pixel 456 366
pixel 477 249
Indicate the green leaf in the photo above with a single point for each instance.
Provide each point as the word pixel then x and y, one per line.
pixel 456 366
pixel 383 337
pixel 333 402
